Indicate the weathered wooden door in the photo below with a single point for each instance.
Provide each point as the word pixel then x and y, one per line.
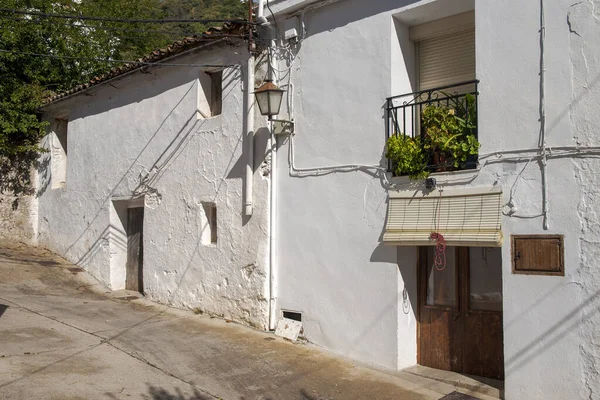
pixel 135 249
pixel 460 311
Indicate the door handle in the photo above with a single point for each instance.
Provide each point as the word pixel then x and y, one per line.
pixel 456 316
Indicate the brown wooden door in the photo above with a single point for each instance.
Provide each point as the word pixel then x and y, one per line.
pixel 460 312
pixel 135 249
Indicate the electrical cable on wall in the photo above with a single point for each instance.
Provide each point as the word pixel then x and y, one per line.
pixel 328 169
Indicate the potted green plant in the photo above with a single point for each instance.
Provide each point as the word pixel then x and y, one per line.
pixel 448 133
pixel 447 141
pixel 408 156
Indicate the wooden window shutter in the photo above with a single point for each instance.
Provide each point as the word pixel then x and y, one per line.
pixel 538 254
pixel 447 60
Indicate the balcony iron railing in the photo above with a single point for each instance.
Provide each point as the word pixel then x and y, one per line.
pixel 405 112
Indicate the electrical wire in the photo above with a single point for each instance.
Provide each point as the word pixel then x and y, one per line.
pixel 274 20
pixel 285 51
pixel 329 169
pixel 514 185
pixel 158 64
pixel 107 19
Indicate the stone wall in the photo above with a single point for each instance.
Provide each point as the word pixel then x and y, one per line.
pixel 15 218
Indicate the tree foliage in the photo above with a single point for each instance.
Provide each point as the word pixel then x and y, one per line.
pixel 26 80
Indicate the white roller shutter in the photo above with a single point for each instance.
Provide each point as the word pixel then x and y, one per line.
pixel 468 217
pixel 446 60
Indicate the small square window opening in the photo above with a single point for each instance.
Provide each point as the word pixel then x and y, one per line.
pixel 210 93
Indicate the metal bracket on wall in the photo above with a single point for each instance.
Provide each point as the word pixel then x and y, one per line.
pixel 283 127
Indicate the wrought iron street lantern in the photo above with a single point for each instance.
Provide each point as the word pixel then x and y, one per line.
pixel 269 97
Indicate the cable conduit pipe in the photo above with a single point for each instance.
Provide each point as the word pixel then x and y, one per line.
pixel 249 136
pixel 273 231
pixel 551 149
pixel 273 208
pixel 295 171
pixel 545 205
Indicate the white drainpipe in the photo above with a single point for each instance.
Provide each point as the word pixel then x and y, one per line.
pixel 249 136
pixel 273 214
pixel 273 231
pixel 260 14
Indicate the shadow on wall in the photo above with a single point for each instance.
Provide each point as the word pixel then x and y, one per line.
pixel 177 143
pixel 3 308
pixel 172 152
pixel 261 160
pixel 43 170
pixel 355 10
pixel 108 235
pixel 136 88
pixel 545 340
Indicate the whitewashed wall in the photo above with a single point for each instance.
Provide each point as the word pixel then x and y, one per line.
pixel 331 264
pixel 142 135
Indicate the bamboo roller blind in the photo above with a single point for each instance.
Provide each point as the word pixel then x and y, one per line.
pixel 464 218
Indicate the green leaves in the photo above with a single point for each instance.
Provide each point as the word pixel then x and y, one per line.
pixel 448 138
pixel 450 131
pixel 408 156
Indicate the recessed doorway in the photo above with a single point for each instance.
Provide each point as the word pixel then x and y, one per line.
pixel 134 279
pixel 460 311
pixel 126 241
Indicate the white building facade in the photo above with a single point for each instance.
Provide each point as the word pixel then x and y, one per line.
pixel 522 306
pixel 246 223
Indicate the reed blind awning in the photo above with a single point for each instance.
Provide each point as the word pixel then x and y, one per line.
pixel 469 217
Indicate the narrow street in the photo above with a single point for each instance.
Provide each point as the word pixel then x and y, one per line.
pixel 63 336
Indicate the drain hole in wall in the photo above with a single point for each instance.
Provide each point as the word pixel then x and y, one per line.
pixel 296 316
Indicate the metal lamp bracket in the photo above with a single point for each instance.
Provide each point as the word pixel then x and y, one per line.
pixel 283 127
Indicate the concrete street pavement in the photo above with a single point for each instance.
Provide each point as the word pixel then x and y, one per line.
pixel 62 336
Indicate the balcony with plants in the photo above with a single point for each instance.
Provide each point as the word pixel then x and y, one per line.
pixel 433 130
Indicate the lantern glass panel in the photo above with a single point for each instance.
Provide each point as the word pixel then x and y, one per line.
pixel 269 101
